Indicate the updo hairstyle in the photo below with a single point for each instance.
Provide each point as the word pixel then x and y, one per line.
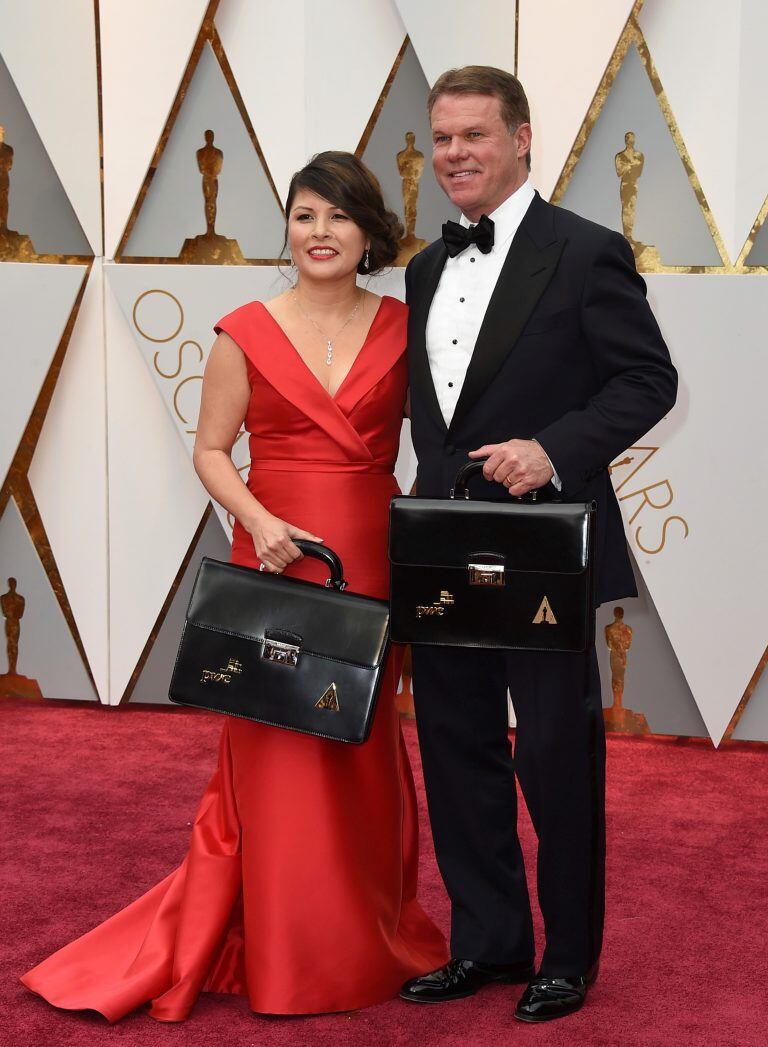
pixel 344 181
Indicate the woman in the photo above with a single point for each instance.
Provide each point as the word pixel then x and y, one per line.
pixel 299 888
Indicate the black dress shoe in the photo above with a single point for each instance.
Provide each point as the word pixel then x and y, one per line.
pixel 549 998
pixel 460 978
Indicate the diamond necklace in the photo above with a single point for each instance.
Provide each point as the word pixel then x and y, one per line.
pixel 328 341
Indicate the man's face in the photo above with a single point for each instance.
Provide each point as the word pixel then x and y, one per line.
pixel 477 162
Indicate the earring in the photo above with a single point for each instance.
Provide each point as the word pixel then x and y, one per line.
pixel 366 263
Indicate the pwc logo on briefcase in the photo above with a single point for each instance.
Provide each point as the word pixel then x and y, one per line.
pixel 223 675
pixel 544 615
pixel 438 607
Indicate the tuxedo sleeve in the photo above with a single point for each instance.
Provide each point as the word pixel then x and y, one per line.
pixel 409 281
pixel 635 381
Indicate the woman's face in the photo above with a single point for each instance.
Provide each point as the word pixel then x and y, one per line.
pixel 324 241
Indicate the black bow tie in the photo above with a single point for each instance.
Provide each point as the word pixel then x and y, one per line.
pixel 457 237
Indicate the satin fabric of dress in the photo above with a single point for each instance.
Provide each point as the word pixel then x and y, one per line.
pixel 299 887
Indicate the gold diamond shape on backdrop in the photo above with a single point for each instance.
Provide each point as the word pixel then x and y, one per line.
pixel 17 483
pixel 162 614
pixel 24 160
pixel 211 247
pixel 756 238
pixel 396 145
pixel 633 35
pixel 746 697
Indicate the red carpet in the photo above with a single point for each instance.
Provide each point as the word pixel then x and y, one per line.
pixel 99 803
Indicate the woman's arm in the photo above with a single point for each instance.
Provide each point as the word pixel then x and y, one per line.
pixel 224 402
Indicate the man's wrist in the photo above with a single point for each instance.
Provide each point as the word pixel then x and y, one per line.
pixel 555 480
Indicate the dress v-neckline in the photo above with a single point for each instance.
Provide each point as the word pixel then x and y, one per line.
pixel 335 396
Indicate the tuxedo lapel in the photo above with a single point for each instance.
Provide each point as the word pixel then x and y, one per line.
pixel 529 266
pixel 420 302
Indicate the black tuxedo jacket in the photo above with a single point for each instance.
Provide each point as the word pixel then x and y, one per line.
pixel 569 353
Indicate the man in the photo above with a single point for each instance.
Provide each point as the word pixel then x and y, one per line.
pixel 530 343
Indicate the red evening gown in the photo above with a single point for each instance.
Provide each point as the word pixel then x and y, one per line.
pixel 299 887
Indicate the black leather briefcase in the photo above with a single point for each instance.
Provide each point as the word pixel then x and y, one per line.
pixel 283 651
pixel 491 574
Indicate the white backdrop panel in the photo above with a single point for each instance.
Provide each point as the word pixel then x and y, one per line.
pixel 752 157
pixel 152 684
pixel 158 299
pixel 561 63
pixel 258 40
pixel 155 498
pixel 38 205
pixel 69 478
pixel 145 47
pixel 173 208
pixel 709 57
pixel 654 683
pixel 698 539
pixel 449 33
pixel 35 304
pixel 50 50
pixel 47 651
pixel 404 111
pixel 668 213
pixel 285 61
pixel 339 104
pixel 753 725
pixel 192 299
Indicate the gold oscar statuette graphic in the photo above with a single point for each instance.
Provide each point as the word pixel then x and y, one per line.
pixel 211 248
pixel 410 164
pixel 629 166
pixel 12 685
pixel 618 637
pixel 329 699
pixel 545 615
pixel 14 247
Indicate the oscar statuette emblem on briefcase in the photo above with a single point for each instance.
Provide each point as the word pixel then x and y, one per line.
pixel 510 575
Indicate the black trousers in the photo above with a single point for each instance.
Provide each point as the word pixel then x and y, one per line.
pixel 469 770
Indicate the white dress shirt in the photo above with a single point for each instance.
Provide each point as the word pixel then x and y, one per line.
pixel 461 300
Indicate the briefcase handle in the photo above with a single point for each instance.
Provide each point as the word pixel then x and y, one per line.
pixel 460 487
pixel 329 558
